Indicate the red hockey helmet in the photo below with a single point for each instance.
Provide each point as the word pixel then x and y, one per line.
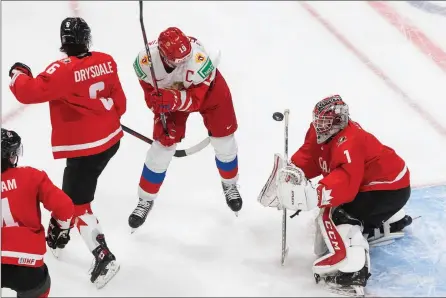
pixel 330 115
pixel 174 46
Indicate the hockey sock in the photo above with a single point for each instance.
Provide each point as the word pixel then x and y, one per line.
pixel 87 225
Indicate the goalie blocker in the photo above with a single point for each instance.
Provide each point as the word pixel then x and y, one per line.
pixel 364 187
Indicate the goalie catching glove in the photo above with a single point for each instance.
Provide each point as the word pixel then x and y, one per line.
pixel 287 187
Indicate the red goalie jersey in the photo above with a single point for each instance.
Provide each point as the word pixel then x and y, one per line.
pixel 22 234
pixel 86 102
pixel 353 161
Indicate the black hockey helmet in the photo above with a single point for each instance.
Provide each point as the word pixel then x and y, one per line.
pixel 75 31
pixel 11 148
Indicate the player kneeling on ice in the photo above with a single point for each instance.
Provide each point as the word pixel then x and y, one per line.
pixel 364 187
pixel 189 82
pixel 23 236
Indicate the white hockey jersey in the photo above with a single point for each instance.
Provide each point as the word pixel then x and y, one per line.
pixel 200 68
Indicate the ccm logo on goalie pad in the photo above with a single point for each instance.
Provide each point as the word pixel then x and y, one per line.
pixel 333 240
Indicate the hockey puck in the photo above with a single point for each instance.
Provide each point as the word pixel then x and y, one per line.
pixel 278 116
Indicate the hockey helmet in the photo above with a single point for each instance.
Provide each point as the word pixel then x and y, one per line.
pixel 330 116
pixel 174 46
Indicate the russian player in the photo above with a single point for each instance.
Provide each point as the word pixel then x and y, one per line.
pixel 364 187
pixel 23 235
pixel 189 82
pixel 86 103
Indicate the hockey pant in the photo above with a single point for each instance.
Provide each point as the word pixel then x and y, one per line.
pixel 26 281
pixel 79 183
pixel 159 157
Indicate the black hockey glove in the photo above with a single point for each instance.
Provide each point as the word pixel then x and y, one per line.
pixel 57 237
pixel 20 67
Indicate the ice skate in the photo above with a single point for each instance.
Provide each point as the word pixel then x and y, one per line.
pixel 104 266
pixel 389 231
pixel 233 198
pixel 346 284
pixel 139 215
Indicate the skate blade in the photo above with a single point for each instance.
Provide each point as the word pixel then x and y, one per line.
pixel 352 291
pixel 385 240
pixel 102 280
pixel 56 252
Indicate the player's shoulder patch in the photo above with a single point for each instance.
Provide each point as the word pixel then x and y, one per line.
pixel 199 57
pixel 200 64
pixel 206 68
pixel 140 60
pixel 341 140
pixel 65 60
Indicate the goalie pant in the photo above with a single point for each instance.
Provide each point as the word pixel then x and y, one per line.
pixel 339 242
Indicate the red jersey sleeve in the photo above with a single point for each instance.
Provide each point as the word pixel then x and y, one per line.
pixel 54 199
pixel 304 159
pixel 195 95
pixel 148 89
pixel 117 93
pixel 348 163
pixel 47 86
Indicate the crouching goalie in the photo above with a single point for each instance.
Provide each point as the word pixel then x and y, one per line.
pixel 360 198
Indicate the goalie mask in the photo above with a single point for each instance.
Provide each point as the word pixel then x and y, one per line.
pixel 330 116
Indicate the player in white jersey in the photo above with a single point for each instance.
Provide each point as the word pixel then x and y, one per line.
pixel 188 81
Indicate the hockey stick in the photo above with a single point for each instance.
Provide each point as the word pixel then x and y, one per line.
pixel 152 70
pixel 284 216
pixel 178 153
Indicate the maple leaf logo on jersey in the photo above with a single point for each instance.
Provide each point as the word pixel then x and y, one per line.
pixel 324 196
pixel 341 140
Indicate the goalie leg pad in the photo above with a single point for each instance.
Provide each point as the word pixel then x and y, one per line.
pixel 320 248
pixel 348 250
pixel 268 194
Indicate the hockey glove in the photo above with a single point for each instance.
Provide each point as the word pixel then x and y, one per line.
pixel 160 136
pixel 20 67
pixel 166 101
pixel 57 236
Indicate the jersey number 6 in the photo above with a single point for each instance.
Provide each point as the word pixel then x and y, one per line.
pixel 97 87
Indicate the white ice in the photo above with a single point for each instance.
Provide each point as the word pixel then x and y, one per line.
pixel 274 56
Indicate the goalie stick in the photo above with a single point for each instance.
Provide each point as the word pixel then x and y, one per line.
pixel 284 215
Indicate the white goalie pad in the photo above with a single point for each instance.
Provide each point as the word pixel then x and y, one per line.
pixel 268 195
pixel 295 191
pixel 347 249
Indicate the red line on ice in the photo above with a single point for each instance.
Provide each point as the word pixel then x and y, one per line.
pixel 375 69
pixel 411 32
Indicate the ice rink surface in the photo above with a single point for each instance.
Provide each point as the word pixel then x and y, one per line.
pixel 275 55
